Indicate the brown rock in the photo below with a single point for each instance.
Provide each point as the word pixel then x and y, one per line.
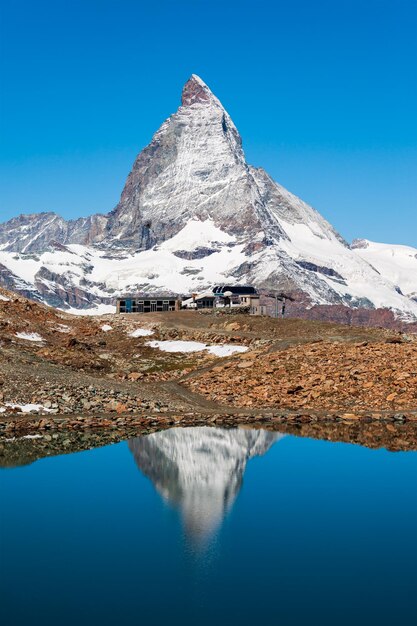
pixel 233 326
pixel 350 416
pixel 245 364
pixel 135 376
pixel 294 389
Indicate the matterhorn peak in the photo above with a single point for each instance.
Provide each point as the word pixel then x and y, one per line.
pixel 193 213
pixel 196 91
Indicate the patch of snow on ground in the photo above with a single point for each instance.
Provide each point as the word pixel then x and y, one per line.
pixel 196 346
pixel 106 327
pixel 30 336
pixel 26 408
pixel 24 437
pixel 177 346
pixel 62 328
pixel 100 309
pixel 141 332
pixel 226 349
pixel 4 299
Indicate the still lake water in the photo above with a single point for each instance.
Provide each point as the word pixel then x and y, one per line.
pixel 209 526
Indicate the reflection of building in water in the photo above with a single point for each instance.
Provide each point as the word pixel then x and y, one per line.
pixel 199 470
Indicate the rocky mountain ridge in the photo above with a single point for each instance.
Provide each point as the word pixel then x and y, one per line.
pixel 193 213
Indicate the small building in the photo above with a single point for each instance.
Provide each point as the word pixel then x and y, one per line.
pixel 254 304
pixel 270 304
pixel 234 295
pixel 245 298
pixel 147 304
pixel 221 296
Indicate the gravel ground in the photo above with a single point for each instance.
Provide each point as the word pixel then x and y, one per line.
pixel 72 365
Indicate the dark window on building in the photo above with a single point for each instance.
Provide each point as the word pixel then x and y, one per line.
pixel 234 289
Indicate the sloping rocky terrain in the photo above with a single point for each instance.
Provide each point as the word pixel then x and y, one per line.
pixel 53 365
pixel 325 375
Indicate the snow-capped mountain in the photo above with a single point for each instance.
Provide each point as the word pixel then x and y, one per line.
pixel 193 213
pixel 200 470
pixel 397 263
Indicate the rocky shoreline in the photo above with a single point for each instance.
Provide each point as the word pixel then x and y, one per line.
pixel 24 425
pixel 26 439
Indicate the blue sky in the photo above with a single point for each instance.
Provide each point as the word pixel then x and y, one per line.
pixel 323 93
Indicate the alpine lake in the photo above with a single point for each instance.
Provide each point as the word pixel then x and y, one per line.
pixel 207 525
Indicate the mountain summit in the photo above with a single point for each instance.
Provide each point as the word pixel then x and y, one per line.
pixel 194 167
pixel 193 213
pixel 195 90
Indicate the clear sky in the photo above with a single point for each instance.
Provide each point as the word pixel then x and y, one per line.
pixel 323 93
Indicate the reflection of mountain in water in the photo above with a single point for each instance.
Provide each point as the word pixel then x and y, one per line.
pixel 199 470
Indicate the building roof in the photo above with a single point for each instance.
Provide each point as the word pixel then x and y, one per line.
pixel 152 296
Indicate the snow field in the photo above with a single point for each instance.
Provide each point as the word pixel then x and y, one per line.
pixel 221 350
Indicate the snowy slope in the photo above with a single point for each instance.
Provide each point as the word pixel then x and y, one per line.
pixel 35 232
pixel 395 262
pixel 94 272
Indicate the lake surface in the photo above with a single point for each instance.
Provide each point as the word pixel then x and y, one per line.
pixel 209 526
